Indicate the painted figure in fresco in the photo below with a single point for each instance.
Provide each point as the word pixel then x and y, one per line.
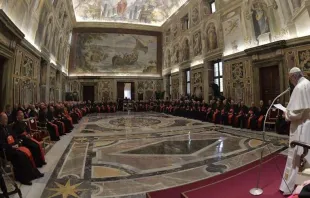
pixel 211 37
pixel 197 43
pixel 48 31
pixel 185 50
pixel 121 7
pixel 130 59
pixel 175 31
pixel 260 18
pixel 195 15
pixel 205 7
pixel 176 54
pixel 169 58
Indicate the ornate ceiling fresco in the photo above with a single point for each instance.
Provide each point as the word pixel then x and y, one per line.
pixel 148 12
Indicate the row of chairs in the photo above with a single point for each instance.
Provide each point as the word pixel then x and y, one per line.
pixel 39 132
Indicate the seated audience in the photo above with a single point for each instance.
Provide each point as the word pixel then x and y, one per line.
pixel 20 157
pixel 22 131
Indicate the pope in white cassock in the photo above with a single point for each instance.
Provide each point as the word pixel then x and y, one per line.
pixel 298 113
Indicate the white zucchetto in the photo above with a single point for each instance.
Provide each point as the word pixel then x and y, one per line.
pixel 294 70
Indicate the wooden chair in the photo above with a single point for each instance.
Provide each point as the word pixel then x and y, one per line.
pixel 130 106
pixel 125 106
pixel 6 170
pixel 46 136
pixel 41 132
pixel 7 165
pixel 304 168
pixel 272 117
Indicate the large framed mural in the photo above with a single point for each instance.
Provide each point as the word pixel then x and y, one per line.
pixel 114 54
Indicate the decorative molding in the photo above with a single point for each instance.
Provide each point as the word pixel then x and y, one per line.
pixel 6 52
pixel 305 40
pixel 31 48
pixel 112 77
pixel 266 48
pixel 9 25
pixel 114 25
pixel 237 55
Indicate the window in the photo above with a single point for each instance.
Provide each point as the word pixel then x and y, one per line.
pixel 170 87
pixel 212 4
pixel 188 82
pixel 185 22
pixel 218 74
pixel 127 91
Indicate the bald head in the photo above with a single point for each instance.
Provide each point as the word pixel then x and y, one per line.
pixel 3 119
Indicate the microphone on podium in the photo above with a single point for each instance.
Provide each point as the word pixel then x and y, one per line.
pixel 258 191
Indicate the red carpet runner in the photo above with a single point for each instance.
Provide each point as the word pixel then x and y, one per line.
pixel 233 184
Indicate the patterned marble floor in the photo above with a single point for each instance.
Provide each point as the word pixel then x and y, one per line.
pixel 127 155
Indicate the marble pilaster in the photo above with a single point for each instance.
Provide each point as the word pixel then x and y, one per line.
pixel 42 92
pixel 166 86
pixel 182 82
pixel 7 82
pixel 60 87
pixel 47 88
pixel 205 80
pixel 115 88
pixel 43 80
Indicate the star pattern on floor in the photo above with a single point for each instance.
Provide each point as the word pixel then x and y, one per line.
pixel 66 190
pixel 81 140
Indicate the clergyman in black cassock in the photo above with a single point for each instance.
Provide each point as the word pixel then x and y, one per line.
pixel 22 131
pixel 23 168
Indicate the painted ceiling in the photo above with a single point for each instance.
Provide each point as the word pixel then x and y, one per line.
pixel 147 12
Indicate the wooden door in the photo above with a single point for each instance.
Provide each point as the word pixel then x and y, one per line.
pixel 89 93
pixel 2 88
pixel 269 83
pixel 120 90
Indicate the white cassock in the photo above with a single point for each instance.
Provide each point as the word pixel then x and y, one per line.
pixel 298 112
